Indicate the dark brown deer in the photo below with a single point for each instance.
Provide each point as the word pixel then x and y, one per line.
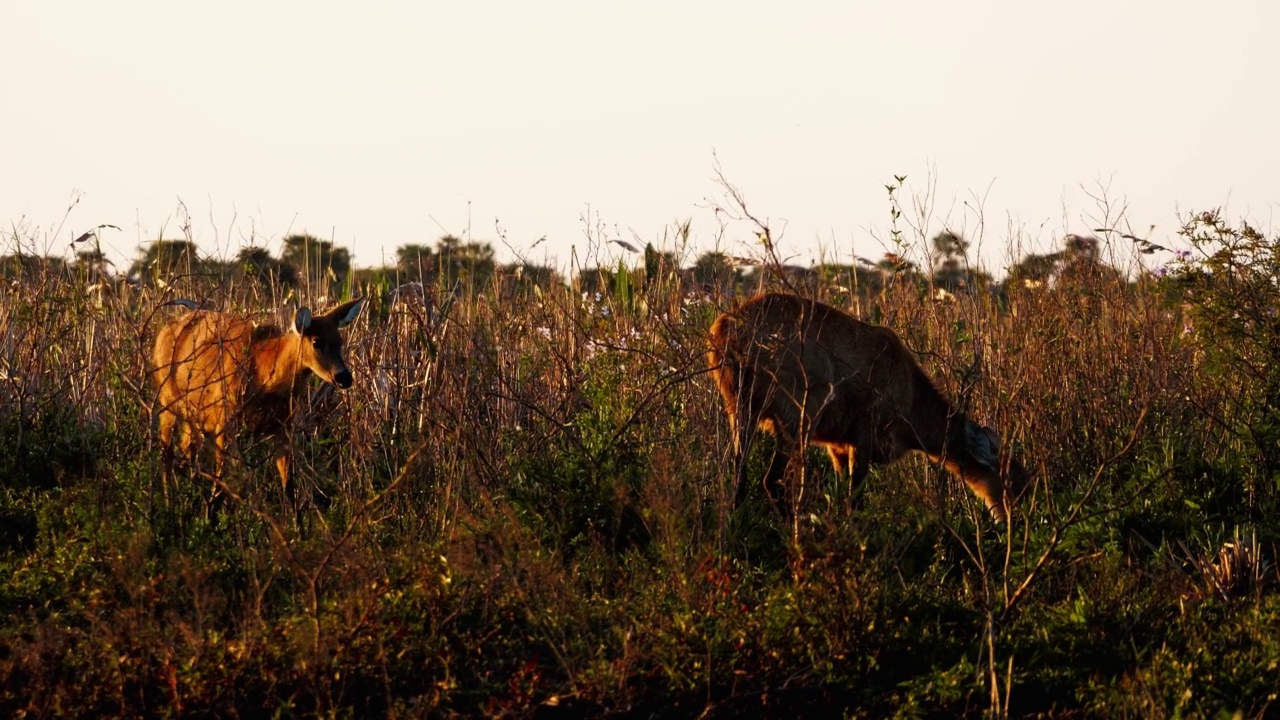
pixel 218 374
pixel 795 367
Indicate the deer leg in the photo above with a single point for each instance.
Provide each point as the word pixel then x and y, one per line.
pixel 167 420
pixel 861 467
pixel 189 441
pixel 742 442
pixel 744 426
pixel 773 479
pixel 851 464
pixel 287 484
pixel 740 491
pixel 216 497
pixel 282 467
pixel 991 491
pixel 841 458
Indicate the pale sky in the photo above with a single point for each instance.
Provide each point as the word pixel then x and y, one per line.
pixel 383 123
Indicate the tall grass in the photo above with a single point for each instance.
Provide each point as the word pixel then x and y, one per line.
pixel 522 507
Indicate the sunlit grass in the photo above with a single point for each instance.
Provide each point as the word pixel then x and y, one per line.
pixel 522 506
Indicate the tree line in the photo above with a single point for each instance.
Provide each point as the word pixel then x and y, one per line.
pixel 307 262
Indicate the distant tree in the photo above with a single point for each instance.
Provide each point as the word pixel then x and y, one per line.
pixel 166 259
pixel 258 264
pixel 29 268
pixel 93 265
pixel 448 245
pixel 543 276
pixel 659 265
pixel 1079 261
pixel 1034 270
pixel 952 271
pixel 415 263
pixel 717 270
pixel 594 280
pixel 518 278
pixel 470 262
pixel 801 278
pixel 255 260
pixel 950 246
pixel 1082 261
pixel 316 262
pixel 893 264
pixel 951 268
pixel 844 281
pixel 1081 247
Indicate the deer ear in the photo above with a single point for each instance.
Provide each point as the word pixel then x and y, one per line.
pixel 302 320
pixel 983 444
pixel 993 436
pixel 347 312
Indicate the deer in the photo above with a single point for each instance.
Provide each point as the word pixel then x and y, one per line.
pixel 806 371
pixel 218 374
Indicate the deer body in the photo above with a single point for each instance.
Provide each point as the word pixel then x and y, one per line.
pixel 794 367
pixel 218 375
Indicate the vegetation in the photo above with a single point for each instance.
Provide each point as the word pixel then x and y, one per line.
pixel 523 506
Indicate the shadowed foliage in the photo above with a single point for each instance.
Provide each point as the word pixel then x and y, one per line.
pixel 524 505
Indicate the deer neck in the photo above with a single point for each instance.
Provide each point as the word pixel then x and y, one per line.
pixel 278 367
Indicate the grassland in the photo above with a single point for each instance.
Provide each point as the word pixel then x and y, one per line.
pixel 522 508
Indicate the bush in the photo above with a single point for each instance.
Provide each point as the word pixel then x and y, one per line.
pixel 522 507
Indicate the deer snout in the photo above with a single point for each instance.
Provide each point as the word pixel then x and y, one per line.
pixel 342 378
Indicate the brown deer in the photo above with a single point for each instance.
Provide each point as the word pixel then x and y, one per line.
pixel 794 367
pixel 217 374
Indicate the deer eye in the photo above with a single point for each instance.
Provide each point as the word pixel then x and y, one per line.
pixel 317 343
